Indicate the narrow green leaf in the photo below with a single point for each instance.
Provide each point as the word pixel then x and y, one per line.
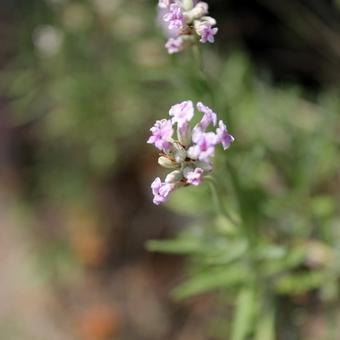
pixel 211 280
pixel 299 283
pixel 293 258
pixel 233 251
pixel 244 316
pixel 265 325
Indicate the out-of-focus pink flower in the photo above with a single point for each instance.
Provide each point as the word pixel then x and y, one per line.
pixel 174 17
pixel 164 3
pixel 161 191
pixel 174 45
pixel 194 177
pixel 207 33
pixel 186 19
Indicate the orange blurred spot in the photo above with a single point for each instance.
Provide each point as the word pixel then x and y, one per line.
pixel 98 322
pixel 89 246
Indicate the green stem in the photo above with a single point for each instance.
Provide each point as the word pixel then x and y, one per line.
pixel 265 321
pixel 203 75
pixel 247 224
pixel 240 195
pixel 218 201
pixel 198 57
pixel 250 298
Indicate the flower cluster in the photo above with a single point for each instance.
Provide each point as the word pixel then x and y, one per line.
pixel 187 20
pixel 190 155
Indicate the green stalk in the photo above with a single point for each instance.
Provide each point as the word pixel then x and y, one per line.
pixel 203 76
pixel 199 58
pixel 247 226
pixel 249 299
pixel 218 200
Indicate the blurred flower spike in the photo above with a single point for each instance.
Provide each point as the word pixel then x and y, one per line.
pixel 190 153
pixel 187 22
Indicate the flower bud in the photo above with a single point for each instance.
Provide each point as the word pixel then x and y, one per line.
pixel 180 156
pixel 187 5
pixel 197 12
pixel 179 152
pixel 208 20
pixel 167 163
pixel 204 21
pixel 174 176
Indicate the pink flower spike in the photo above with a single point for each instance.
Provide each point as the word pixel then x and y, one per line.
pixel 182 112
pixel 190 155
pixel 194 177
pixel 161 134
pixel 223 136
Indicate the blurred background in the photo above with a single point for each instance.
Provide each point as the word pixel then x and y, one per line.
pixel 81 82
